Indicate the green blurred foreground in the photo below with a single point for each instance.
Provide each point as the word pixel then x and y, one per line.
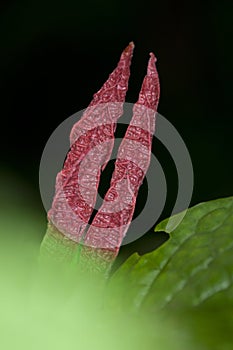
pixel 56 309
pixel 141 307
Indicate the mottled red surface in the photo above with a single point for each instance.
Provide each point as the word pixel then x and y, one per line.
pixel 113 218
pixel 92 140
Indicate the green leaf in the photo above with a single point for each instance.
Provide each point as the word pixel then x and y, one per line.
pixel 190 275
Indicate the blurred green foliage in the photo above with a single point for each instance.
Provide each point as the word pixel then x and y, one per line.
pixel 188 304
pixel 46 307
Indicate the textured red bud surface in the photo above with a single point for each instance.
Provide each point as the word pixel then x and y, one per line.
pixel 105 235
pixel 92 141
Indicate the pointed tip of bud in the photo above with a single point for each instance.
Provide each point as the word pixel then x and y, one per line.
pixel 129 49
pixel 150 90
pixel 151 68
pixel 132 44
pixel 152 57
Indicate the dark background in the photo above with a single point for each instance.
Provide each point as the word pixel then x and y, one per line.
pixel 56 55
